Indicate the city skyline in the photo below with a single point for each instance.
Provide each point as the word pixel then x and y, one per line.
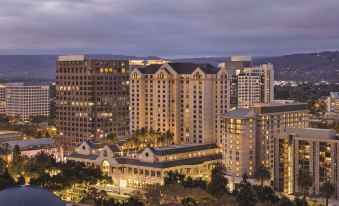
pixel 167 29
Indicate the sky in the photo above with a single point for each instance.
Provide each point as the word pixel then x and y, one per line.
pixel 168 28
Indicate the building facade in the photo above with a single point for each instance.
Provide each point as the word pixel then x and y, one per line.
pixel 92 99
pixel 249 134
pixel 2 99
pixel 333 103
pixel 315 151
pixel 25 100
pixel 249 85
pixel 184 98
pixel 151 165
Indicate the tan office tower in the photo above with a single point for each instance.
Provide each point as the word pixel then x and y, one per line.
pixel 92 99
pixel 315 151
pixel 249 134
pixel 2 98
pixel 185 98
pixel 25 100
pixel 249 85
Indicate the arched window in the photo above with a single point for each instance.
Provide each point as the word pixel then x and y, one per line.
pixel 105 153
pixel 105 166
pixel 161 76
pixel 197 76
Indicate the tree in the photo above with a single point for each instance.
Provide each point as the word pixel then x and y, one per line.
pixel 16 152
pixel 305 181
pixel 111 138
pixel 284 201
pixel 6 180
pixel 188 201
pixel 174 178
pixel 217 186
pixel 262 174
pixel 266 194
pixel 3 166
pixel 21 180
pixel 327 190
pixel 245 195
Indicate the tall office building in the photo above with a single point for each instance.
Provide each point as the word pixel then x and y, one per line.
pixel 25 100
pixel 184 98
pixel 92 99
pixel 249 85
pixel 2 98
pixel 315 151
pixel 249 134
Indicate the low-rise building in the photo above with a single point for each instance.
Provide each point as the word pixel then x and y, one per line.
pixel 313 150
pixel 35 146
pixel 6 136
pixel 150 165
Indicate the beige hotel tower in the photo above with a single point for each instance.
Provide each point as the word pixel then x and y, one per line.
pixel 185 98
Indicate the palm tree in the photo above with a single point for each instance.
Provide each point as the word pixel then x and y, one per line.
pixel 305 181
pixel 262 174
pixel 169 137
pixel 111 138
pixel 153 136
pixel 327 190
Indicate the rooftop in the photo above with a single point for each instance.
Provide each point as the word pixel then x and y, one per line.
pixel 29 143
pixel 181 148
pixel 5 132
pixel 334 95
pixel 28 196
pixel 181 68
pixel 240 113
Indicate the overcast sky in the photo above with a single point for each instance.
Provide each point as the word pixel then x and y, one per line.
pixel 168 28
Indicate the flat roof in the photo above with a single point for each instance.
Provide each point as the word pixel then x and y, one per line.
pixel 2 132
pixel 240 113
pixel 30 143
pixel 181 148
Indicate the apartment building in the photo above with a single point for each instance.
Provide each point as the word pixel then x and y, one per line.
pixel 184 98
pixel 249 85
pixel 25 100
pixel 151 165
pixel 313 150
pixel 2 98
pixel 248 135
pixel 92 99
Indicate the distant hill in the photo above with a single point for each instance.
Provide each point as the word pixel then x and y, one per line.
pixel 299 67
pixel 313 67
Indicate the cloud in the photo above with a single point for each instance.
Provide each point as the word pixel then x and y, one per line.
pixel 169 28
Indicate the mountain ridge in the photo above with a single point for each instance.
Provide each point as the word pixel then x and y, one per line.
pixel 312 67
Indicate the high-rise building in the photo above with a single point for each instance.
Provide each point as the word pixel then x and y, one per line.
pixel 248 135
pixel 92 99
pixel 2 98
pixel 25 100
pixel 333 103
pixel 184 98
pixel 315 151
pixel 249 84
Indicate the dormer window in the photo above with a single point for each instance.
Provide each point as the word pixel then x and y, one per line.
pixel 146 154
pixel 161 76
pixel 105 153
pixel 83 147
pixel 135 76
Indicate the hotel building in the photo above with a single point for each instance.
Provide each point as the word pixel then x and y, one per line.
pixel 249 85
pixel 151 165
pixel 25 100
pixel 184 98
pixel 313 150
pixel 249 134
pixel 92 99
